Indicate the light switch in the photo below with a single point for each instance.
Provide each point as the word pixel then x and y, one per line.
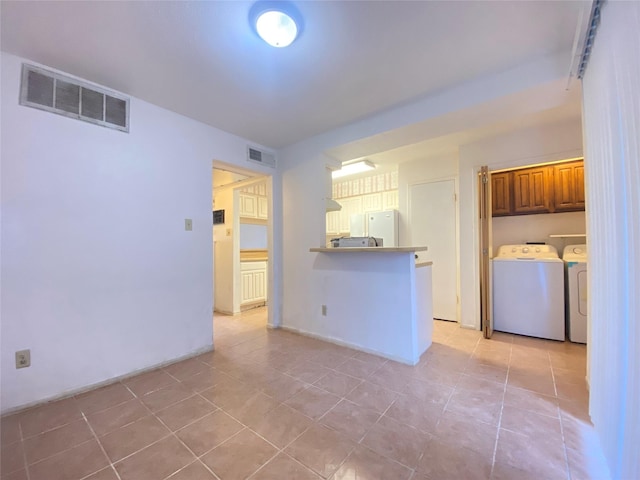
pixel 188 225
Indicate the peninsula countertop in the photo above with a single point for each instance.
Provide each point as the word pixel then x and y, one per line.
pixel 368 249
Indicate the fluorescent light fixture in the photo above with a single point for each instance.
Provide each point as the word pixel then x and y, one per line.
pixel 353 168
pixel 277 22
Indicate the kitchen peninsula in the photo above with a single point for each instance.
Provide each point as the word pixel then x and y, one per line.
pixel 376 299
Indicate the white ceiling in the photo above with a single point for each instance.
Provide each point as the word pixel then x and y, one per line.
pixel 447 145
pixel 354 58
pixel 545 104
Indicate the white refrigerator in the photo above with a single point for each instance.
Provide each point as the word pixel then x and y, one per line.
pixel 376 224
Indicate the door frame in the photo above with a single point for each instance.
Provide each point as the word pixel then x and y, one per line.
pixel 485 203
pixel 471 282
pixel 453 178
pixel 273 315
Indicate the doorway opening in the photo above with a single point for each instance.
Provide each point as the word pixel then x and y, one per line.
pixel 532 208
pixel 242 248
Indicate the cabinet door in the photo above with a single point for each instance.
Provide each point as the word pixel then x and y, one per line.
pixel 371 203
pixel 263 208
pixel 568 182
pixel 344 223
pixel 390 200
pixel 349 207
pixel 254 282
pixel 532 190
pixel 500 194
pixel 260 284
pixel 333 223
pixel 248 205
pixel 248 291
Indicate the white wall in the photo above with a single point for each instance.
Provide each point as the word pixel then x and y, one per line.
pixel 373 303
pixel 425 170
pixel 223 238
pixel 611 106
pixel 304 211
pixel 537 228
pixel 523 147
pixel 99 277
pixel 253 236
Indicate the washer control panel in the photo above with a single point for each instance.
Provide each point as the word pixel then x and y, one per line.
pixel 527 251
pixel 575 253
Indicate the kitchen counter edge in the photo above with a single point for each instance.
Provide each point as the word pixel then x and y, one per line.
pixel 368 249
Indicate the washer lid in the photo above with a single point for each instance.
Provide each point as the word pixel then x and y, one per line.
pixel 575 253
pixel 527 252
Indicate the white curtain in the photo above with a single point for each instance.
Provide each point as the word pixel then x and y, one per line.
pixel 611 109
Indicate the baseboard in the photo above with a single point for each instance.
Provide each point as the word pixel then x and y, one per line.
pixel 104 383
pixel 353 346
pixel 251 305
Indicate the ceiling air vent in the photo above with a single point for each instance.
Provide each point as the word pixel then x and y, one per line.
pixel 57 93
pixel 263 158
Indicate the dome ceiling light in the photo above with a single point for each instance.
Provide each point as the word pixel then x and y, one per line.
pixel 277 23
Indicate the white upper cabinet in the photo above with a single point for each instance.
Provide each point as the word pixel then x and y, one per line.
pixel 371 203
pixel 253 201
pixel 390 200
pixel 263 207
pixel 333 223
pixel 248 205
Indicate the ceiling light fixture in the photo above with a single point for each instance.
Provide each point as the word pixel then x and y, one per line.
pixel 277 23
pixel 352 168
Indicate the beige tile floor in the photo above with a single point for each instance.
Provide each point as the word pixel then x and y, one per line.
pixel 269 404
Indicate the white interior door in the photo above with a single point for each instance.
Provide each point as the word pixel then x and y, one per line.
pixel 433 224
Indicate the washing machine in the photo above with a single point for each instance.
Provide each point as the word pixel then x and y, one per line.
pixel 528 291
pixel 575 261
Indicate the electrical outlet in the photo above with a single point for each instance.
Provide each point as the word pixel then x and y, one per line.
pixel 228 232
pixel 23 359
pixel 188 224
pixel 324 310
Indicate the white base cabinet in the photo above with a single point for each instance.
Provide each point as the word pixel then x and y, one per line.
pixel 254 282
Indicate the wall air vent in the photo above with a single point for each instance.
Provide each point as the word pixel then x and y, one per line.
pixel 263 158
pixel 57 93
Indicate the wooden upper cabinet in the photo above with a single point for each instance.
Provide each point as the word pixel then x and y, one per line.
pixel 546 189
pixel 568 179
pixel 532 189
pixel 501 194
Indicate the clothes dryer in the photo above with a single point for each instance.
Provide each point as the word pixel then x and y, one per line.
pixel 575 261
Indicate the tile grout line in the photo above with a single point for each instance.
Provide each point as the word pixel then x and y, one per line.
pixel 198 461
pixel 314 422
pixel 130 423
pixel 359 442
pixel 564 443
pixel 504 393
pixel 104 452
pixel 24 451
pixel 197 458
pixel 245 427
pixel 52 428
pixel 282 451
